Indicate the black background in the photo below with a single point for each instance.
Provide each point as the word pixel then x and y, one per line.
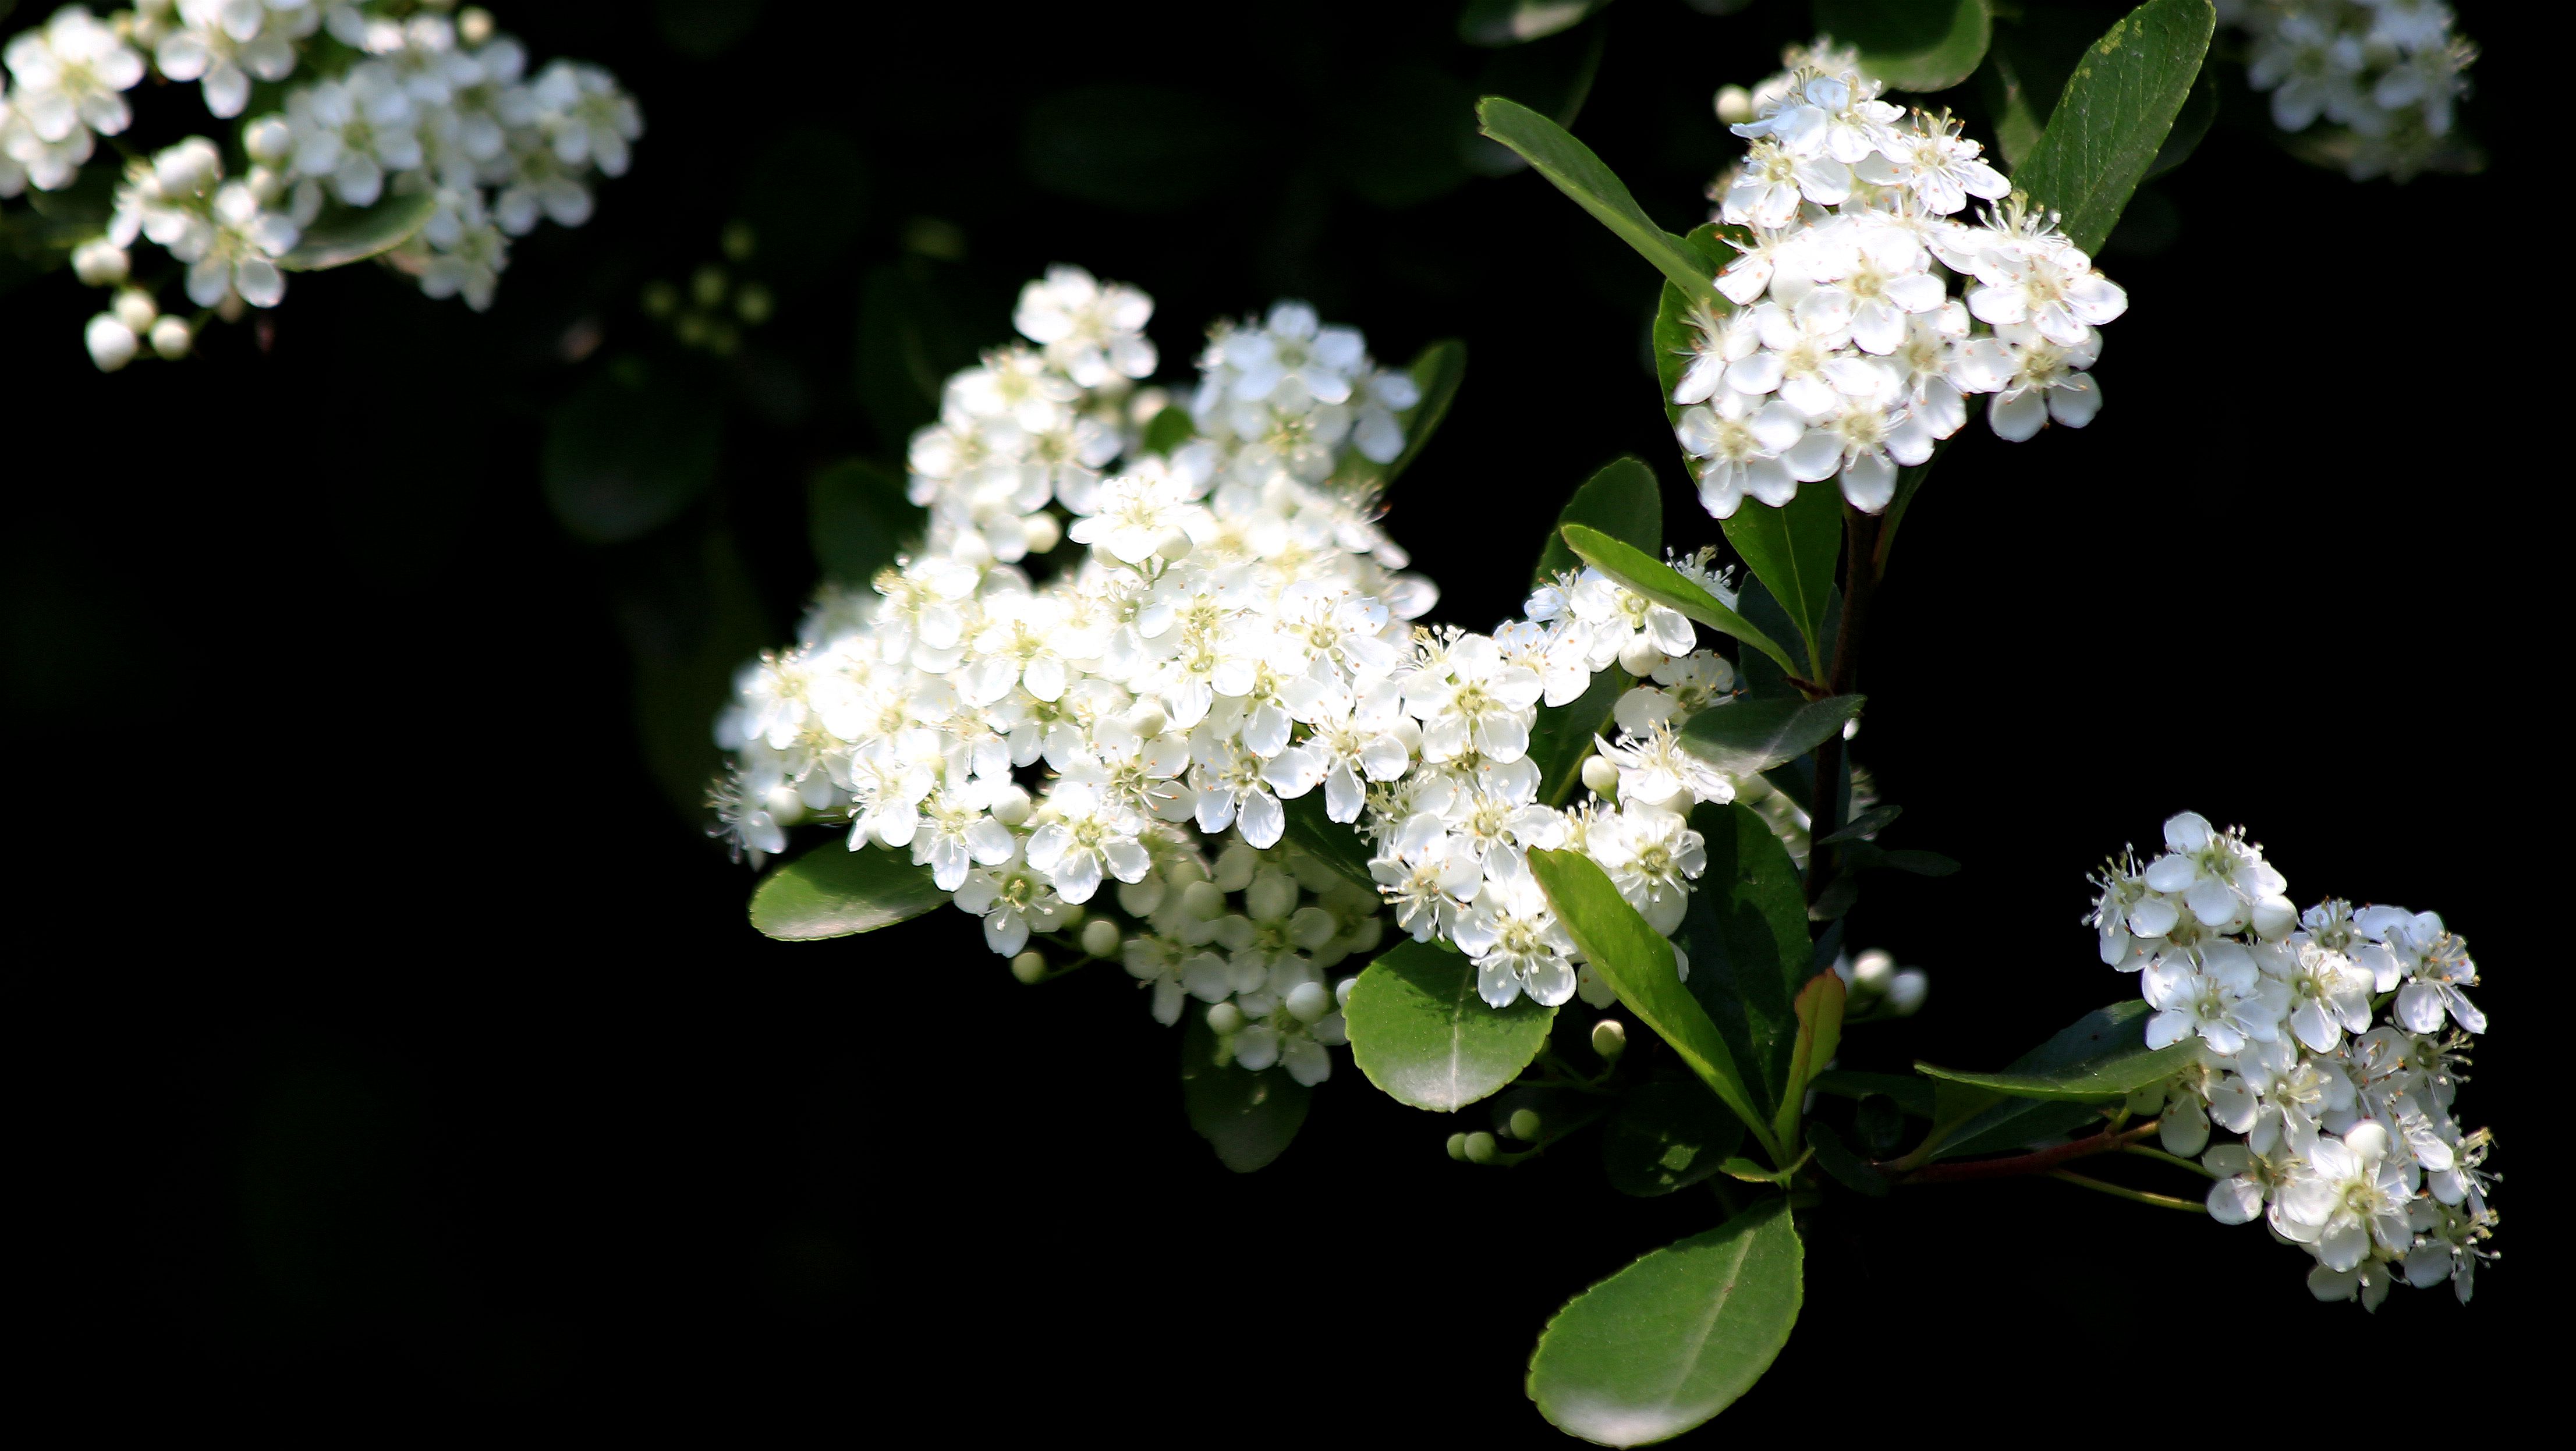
pixel 393 1053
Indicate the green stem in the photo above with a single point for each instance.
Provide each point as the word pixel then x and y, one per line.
pixel 1860 586
pixel 2177 1160
pixel 2161 1201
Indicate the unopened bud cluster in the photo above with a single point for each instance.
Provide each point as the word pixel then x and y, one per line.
pixel 391 99
pixel 2386 76
pixel 1844 354
pixel 2331 1044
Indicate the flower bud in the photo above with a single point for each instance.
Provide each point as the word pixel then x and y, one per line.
pixel 1011 806
pixel 1272 895
pixel 1148 719
pixel 1070 915
pixel 753 304
pixel 1525 1125
pixel 268 141
pixel 1458 1147
pixel 1235 866
pixel 1599 776
pixel 1203 900
pixel 1044 533
pixel 1734 105
pixel 1140 898
pixel 1342 991
pixel 1872 971
pixel 111 342
pixel 1174 544
pixel 1609 1039
pixel 99 262
pixel 1100 937
pixel 134 308
pixel 1480 1148
pixel 187 168
pixel 2144 1101
pixel 1225 1020
pixel 474 25
pixel 1907 990
pixel 1028 967
pixel 1309 1001
pixel 172 337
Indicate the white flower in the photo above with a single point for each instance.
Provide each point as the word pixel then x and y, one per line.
pixel 1012 898
pixel 1738 441
pixel 1087 838
pixel 2217 992
pixel 1469 698
pixel 1091 331
pixel 2329 996
pixel 71 75
pixel 1653 768
pixel 2350 1196
pixel 1516 942
pixel 1141 517
pixel 1652 856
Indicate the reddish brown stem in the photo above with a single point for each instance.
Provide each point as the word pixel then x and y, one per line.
pixel 2041 1162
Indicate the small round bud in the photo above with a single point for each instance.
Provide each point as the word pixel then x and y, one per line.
pixel 1480 1148
pixel 1342 991
pixel 1907 990
pixel 660 298
pixel 110 342
pixel 971 549
pixel 1235 866
pixel 1599 776
pixel 1458 1147
pixel 1851 729
pixel 1271 895
pixel 1609 1039
pixel 1028 967
pixel 99 262
pixel 2144 1101
pixel 1011 806
pixel 1147 719
pixel 1100 937
pixel 753 304
pixel 1639 657
pixel 1525 1125
pixel 1175 543
pixel 1734 105
pixel 1070 916
pixel 1871 971
pixel 708 285
pixel 268 141
pixel 474 25
pixel 187 168
pixel 231 308
pixel 1043 532
pixel 1309 1001
pixel 738 240
pixel 1140 898
pixel 172 337
pixel 1203 900
pixel 134 308
pixel 1225 1020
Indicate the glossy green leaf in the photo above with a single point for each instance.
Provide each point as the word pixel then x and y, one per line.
pixel 1561 735
pixel 1753 733
pixel 1337 844
pixel 1621 501
pixel 1746 933
pixel 2191 126
pixel 1819 1007
pixel 857 518
pixel 1638 964
pixel 2121 1068
pixel 1420 1032
pixel 344 235
pixel 1914 1095
pixel 1667 1136
pixel 1849 1167
pixel 1510 22
pixel 1248 1118
pixel 1666 586
pixel 1682 320
pixel 1575 171
pixel 1674 1338
pixel 1913 45
pixel 832 891
pixel 2114 115
pixel 1792 550
pixel 1983 1122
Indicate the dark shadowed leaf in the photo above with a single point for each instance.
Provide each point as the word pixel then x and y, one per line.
pixel 342 235
pixel 1746 933
pixel 1337 845
pixel 1667 1136
pixel 1134 148
pixel 1754 733
pixel 1621 501
pixel 1913 45
pixel 2118 1030
pixel 623 456
pixel 857 517
pixel 1420 1032
pixel 1248 1118
pixel 1792 550
pixel 1848 1166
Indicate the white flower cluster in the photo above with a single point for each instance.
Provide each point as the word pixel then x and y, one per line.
pixel 2390 73
pixel 1845 354
pixel 1234 637
pixel 2349 1147
pixel 397 99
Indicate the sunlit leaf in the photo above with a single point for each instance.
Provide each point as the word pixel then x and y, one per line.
pixel 832 891
pixel 2115 114
pixel 1621 501
pixel 1644 574
pixel 344 235
pixel 1421 1033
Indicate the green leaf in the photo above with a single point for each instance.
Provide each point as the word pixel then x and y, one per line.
pixel 1980 1124
pixel 1575 171
pixel 2114 116
pixel 2121 1068
pixel 1436 372
pixel 1913 45
pixel 1847 1165
pixel 691 614
pixel 1170 429
pixel 622 458
pixel 1420 1032
pixel 1248 1118
pixel 1746 932
pixel 343 235
pixel 1681 320
pixel 1914 1095
pixel 1877 818
pixel 1753 733
pixel 1336 844
pixel 1510 22
pixel 1667 1136
pixel 2191 126
pixel 857 519
pixel 1792 549
pixel 1638 964
pixel 1820 1031
pixel 1674 1338
pixel 1666 586
pixel 833 891
pixel 1620 501
pixel 1561 735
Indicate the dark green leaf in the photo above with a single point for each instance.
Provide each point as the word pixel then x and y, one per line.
pixel 344 235
pixel 1660 582
pixel 1336 844
pixel 2191 124
pixel 2114 115
pixel 1982 1125
pixel 1638 964
pixel 1667 1136
pixel 622 460
pixel 1420 1032
pixel 857 518
pixel 1746 933
pixel 2026 67
pixel 1753 733
pixel 2123 1065
pixel 833 891
pixel 1913 45
pixel 1170 429
pixel 1876 819
pixel 1436 371
pixel 1914 1095
pixel 1575 171
pixel 1621 501
pixel 1819 1007
pixel 1674 1338
pixel 1510 22
pixel 691 616
pixel 1921 863
pixel 1792 549
pixel 1248 1118
pixel 1849 1168
pixel 1561 735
